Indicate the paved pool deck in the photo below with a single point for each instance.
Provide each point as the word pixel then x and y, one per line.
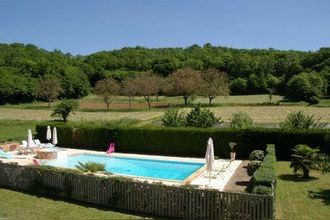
pixel 222 172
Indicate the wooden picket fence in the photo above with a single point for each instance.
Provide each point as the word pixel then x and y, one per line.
pixel 139 197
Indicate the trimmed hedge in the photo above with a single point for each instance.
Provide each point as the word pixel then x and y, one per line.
pixel 265 176
pixel 184 141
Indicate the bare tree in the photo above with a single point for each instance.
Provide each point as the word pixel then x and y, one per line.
pixel 184 82
pixel 215 84
pixel 146 86
pixel 48 88
pixel 108 89
pixel 129 89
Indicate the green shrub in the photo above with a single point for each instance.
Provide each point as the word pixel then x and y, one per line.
pixel 300 120
pixel 241 120
pixel 65 108
pixel 266 174
pixel 202 118
pixel 314 100
pixel 173 118
pixel 183 141
pixel 257 155
pixel 252 166
pixel 263 190
pixel 90 167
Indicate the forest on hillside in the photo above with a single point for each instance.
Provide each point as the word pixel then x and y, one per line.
pixel 250 71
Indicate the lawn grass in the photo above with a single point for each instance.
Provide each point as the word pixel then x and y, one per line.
pixel 18 205
pixel 15 129
pixel 301 199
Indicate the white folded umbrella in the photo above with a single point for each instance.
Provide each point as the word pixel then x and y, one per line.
pixel 209 156
pixel 54 136
pixel 49 133
pixel 30 142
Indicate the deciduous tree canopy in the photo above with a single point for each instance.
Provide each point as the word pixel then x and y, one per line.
pixel 249 71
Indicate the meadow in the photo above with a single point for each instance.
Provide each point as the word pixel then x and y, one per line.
pixel 93 108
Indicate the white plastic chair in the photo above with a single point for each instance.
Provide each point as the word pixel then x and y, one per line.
pixel 24 144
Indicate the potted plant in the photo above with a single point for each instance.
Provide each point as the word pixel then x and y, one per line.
pixel 232 151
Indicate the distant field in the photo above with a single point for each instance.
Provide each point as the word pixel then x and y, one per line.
pixel 93 108
pixel 260 114
pixel 93 102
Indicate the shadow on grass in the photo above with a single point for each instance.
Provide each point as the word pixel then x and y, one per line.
pixel 323 194
pixel 296 178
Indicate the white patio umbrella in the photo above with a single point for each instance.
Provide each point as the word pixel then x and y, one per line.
pixel 30 140
pixel 209 156
pixel 54 136
pixel 49 133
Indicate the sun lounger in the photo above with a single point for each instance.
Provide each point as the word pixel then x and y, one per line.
pixel 24 144
pixel 36 162
pixel 39 144
pixel 5 155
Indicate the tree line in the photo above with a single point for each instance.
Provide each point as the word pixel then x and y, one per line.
pixel 298 75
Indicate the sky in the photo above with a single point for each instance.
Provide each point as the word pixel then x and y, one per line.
pixel 86 26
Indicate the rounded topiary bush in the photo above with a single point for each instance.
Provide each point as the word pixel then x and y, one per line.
pixel 263 190
pixel 257 155
pixel 252 166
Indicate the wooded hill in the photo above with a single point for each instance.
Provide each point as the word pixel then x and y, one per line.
pixel 250 71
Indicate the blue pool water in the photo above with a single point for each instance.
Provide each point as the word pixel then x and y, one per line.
pixel 159 169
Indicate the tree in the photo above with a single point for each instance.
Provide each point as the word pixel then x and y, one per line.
pixel 215 83
pixel 146 86
pixel 303 86
pixel 65 108
pixel 238 86
pixel 108 89
pixel 48 88
pixel 304 158
pixel 165 66
pixel 184 82
pixel 74 82
pixel 129 89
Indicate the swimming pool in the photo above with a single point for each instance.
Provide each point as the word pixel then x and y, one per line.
pixel 147 168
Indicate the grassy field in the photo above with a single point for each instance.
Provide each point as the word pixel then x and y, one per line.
pixel 17 205
pixel 93 108
pixel 260 114
pixel 301 199
pixel 15 129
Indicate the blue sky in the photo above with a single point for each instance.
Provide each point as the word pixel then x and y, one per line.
pixel 82 27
